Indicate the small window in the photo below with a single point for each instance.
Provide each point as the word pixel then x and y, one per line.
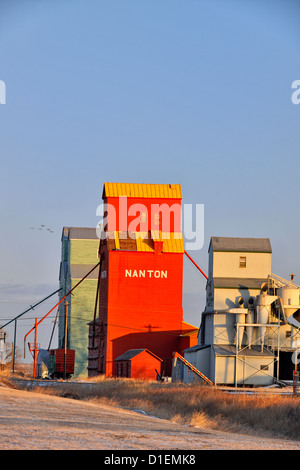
pixel 242 261
pixel 262 367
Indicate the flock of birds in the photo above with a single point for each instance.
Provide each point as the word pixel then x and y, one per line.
pixel 42 227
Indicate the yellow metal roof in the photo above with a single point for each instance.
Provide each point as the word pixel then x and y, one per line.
pixel 171 191
pixel 172 242
pixel 188 326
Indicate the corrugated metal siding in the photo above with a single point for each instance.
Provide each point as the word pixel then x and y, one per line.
pixel 237 283
pixel 170 191
pixel 82 233
pixel 256 245
pixel 143 311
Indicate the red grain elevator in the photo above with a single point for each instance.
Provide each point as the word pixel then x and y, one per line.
pixel 140 277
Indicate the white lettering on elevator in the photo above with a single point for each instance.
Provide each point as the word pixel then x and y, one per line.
pixel 146 273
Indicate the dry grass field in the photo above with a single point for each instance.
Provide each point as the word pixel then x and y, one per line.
pixel 197 405
pixel 264 413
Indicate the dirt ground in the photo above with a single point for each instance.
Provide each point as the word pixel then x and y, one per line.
pixel 33 421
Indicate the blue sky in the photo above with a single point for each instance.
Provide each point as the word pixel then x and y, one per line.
pixel 196 92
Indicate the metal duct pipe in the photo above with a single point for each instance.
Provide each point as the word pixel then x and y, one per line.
pixel 263 309
pixel 240 318
pixel 250 318
pixel 240 313
pixel 290 298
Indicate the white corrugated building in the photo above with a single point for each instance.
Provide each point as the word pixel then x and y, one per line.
pixel 239 282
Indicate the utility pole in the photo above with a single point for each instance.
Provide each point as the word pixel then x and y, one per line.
pixel 35 350
pixel 65 342
pixel 14 348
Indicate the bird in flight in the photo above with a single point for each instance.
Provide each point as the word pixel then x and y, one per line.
pixel 42 227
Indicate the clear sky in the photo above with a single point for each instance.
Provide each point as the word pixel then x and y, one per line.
pixel 196 92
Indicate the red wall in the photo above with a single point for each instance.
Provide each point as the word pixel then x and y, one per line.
pixel 143 366
pixel 149 292
pixel 123 205
pixel 143 312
